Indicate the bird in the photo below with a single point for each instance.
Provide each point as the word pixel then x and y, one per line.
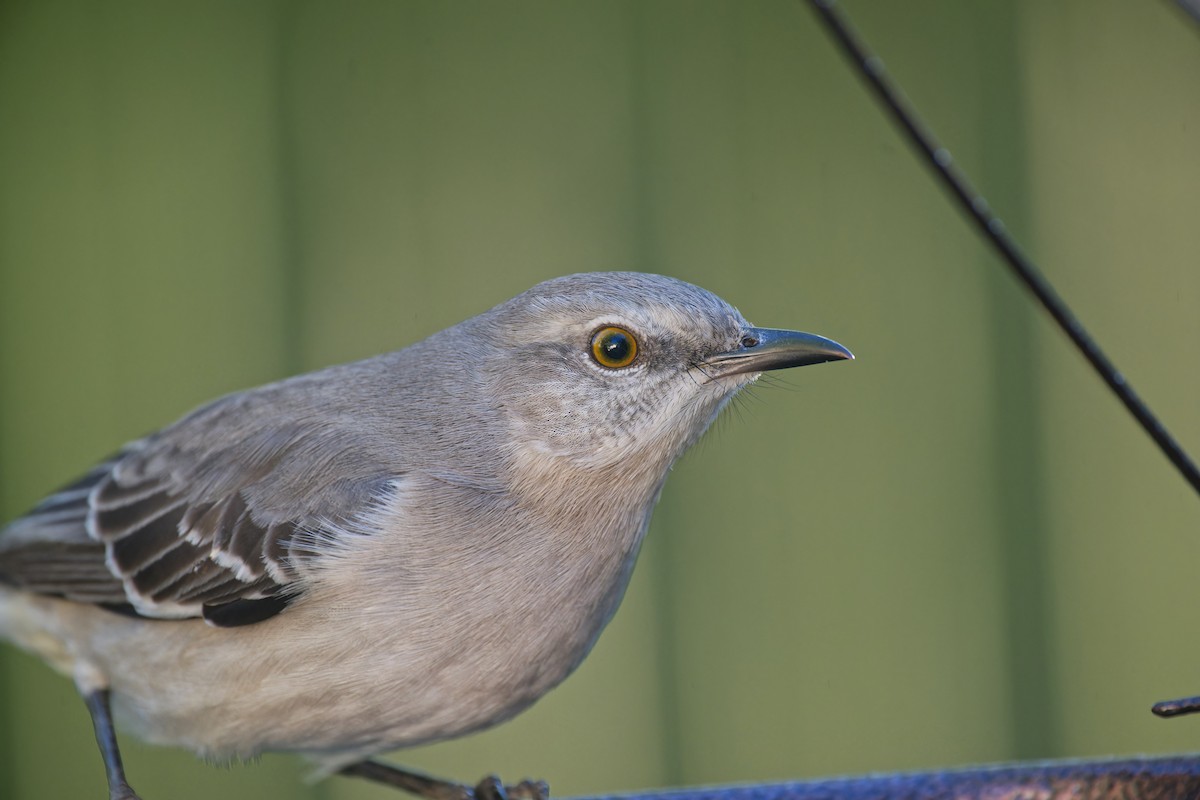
pixel 385 553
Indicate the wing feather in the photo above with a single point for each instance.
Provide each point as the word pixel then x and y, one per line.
pixel 146 550
pixel 219 510
pixel 145 544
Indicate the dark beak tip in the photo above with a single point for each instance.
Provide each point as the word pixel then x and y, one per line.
pixel 829 351
pixel 772 349
pixel 833 358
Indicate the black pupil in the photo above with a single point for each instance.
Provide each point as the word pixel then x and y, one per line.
pixel 615 346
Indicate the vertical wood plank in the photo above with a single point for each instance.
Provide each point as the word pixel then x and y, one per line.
pixel 1113 122
pixel 837 606
pixel 997 155
pixel 447 157
pixel 140 274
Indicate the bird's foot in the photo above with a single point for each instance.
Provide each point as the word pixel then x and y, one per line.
pixel 530 790
pixel 122 791
pixel 492 788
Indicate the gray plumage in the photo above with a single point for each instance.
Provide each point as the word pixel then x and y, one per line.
pixel 389 552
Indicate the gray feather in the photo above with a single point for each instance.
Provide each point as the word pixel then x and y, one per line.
pixel 446 529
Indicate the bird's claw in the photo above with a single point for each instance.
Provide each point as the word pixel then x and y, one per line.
pixel 530 790
pixel 492 788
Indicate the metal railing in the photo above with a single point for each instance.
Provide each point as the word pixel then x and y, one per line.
pixel 1155 778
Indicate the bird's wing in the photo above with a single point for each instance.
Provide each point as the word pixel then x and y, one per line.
pixel 207 518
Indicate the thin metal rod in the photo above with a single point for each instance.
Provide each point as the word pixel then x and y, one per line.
pixel 1177 708
pixel 976 208
pixel 1144 778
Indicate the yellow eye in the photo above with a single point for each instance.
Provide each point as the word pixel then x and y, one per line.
pixel 614 347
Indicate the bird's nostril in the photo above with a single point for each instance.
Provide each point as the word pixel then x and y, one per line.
pixel 749 340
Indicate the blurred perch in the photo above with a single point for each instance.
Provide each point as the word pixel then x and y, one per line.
pixel 1157 778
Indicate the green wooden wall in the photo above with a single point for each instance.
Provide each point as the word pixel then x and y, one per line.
pixel 957 549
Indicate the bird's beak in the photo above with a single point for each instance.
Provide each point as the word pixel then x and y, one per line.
pixel 763 349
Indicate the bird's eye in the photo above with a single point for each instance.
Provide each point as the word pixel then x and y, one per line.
pixel 614 347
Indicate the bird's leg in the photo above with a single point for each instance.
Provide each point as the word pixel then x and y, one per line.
pixel 106 737
pixel 490 788
pixel 411 782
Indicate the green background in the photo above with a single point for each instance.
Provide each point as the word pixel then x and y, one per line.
pixel 956 549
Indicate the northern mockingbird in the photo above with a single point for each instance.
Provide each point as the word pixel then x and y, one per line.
pixel 385 553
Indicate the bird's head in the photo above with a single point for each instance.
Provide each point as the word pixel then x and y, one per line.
pixel 610 367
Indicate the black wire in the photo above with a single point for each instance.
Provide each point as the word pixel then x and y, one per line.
pixel 976 208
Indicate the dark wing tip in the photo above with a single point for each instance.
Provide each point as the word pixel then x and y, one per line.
pixel 245 612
